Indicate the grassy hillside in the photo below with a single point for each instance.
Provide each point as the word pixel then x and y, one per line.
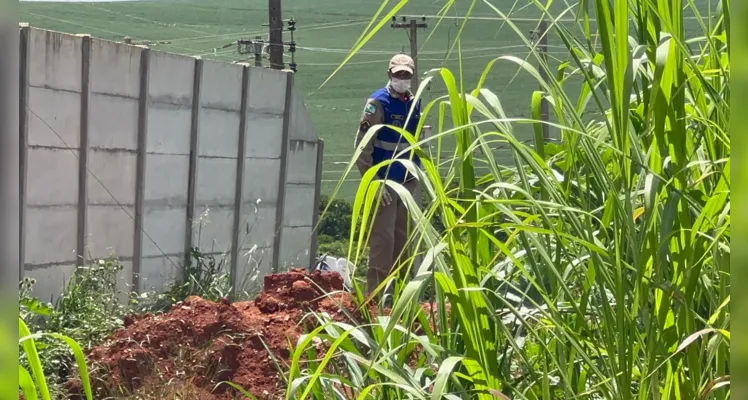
pixel 326 30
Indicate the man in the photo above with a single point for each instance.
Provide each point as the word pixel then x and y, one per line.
pixel 389 105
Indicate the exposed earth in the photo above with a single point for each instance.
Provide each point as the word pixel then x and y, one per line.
pixel 188 351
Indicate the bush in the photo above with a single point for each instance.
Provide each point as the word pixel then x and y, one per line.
pixel 88 311
pixel 336 222
pixel 204 276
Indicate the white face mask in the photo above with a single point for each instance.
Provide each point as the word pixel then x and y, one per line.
pixel 400 85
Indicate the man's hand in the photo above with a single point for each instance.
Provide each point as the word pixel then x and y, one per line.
pixel 384 194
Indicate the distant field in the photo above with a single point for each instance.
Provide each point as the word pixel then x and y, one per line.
pixel 326 29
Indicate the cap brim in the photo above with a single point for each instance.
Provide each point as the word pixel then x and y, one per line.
pixel 401 68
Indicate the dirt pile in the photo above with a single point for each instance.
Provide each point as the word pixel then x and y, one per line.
pixel 198 343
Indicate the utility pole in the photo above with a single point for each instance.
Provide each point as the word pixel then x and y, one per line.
pixel 275 38
pixel 412 26
pixel 258 51
pixel 542 48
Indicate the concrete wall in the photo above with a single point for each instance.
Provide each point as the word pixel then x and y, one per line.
pixel 144 155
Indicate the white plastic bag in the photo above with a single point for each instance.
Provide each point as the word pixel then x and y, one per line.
pixel 340 265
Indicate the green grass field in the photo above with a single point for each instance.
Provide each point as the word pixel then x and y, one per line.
pixel 326 30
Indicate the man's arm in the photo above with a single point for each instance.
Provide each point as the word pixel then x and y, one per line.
pixel 371 116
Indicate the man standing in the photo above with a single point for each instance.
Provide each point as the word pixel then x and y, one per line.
pixel 389 105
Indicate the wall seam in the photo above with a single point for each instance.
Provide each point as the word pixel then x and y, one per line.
pixel 143 103
pixel 83 150
pixel 192 173
pixel 315 211
pixel 239 193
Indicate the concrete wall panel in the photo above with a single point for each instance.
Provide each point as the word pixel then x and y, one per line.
pixel 166 228
pixel 267 91
pixel 113 122
pixel 158 272
pixel 295 247
pixel 171 78
pixel 261 180
pixel 216 181
pixel 222 86
pixel 212 233
pixel 166 180
pixel 116 171
pixel 115 69
pixel 300 124
pixel 169 129
pixel 264 135
pixel 55 60
pixel 110 229
pixel 253 264
pixel 299 206
pixel 54 117
pixel 257 225
pixel 51 235
pixel 52 177
pixel 301 155
pixel 219 133
pixel 50 281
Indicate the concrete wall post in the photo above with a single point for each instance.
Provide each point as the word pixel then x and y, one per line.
pixel 240 161
pixel 143 103
pixel 317 190
pixel 24 140
pixel 192 173
pixel 281 203
pixel 83 150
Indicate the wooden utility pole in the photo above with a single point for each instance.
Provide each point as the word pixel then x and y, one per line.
pixel 258 51
pixel 275 38
pixel 412 27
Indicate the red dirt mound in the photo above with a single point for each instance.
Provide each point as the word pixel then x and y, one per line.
pixel 200 343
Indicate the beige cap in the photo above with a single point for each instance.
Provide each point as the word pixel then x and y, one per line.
pixel 401 62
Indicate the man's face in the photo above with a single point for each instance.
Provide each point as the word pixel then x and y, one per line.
pixel 404 75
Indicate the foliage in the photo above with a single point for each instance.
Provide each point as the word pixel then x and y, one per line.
pixel 89 310
pixel 33 384
pixel 611 278
pixel 203 276
pixel 335 218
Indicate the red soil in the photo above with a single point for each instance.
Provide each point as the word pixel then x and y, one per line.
pixel 198 343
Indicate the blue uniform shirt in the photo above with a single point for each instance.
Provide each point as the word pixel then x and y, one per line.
pixel 388 107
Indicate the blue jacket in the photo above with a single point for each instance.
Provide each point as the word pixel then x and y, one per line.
pixel 389 142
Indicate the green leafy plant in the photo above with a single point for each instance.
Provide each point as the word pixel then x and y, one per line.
pixel 205 276
pixel 597 267
pixel 89 309
pixel 33 384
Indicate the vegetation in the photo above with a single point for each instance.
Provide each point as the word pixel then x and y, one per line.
pixel 595 266
pixel 621 229
pixel 91 307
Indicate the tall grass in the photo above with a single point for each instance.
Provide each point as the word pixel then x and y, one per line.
pixel 597 267
pixel 33 384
